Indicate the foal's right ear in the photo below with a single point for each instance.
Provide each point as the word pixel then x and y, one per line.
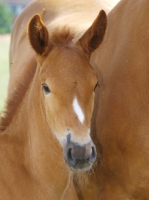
pixel 38 35
pixel 95 34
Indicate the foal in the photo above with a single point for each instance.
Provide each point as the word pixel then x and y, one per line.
pixel 45 131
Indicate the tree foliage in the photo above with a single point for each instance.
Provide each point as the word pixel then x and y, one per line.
pixel 5 19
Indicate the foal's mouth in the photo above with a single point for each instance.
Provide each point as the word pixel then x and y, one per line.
pixel 79 166
pixel 79 158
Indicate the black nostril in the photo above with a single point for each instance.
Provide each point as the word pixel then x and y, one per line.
pixel 93 154
pixel 70 157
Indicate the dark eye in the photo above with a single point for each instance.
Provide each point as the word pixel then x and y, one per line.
pixel 46 88
pixel 96 86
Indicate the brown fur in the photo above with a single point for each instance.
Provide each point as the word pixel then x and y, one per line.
pixel 62 36
pixel 37 128
pixel 121 115
pixel 16 98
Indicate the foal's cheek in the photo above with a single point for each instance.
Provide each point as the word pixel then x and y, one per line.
pixel 90 108
pixel 92 102
pixel 53 115
pixel 49 110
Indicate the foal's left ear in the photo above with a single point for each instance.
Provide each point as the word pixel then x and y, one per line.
pixel 95 34
pixel 38 35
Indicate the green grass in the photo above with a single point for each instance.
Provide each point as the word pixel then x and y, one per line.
pixel 4 72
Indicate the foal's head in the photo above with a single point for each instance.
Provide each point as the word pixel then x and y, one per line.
pixel 68 82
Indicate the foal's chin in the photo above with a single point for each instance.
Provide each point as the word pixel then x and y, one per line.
pixel 80 166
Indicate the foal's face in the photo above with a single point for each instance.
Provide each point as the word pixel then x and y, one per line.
pixel 68 83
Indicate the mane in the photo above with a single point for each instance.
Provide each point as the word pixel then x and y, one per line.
pixel 62 35
pixel 15 99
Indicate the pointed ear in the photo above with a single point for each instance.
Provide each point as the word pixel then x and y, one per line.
pixel 95 34
pixel 38 35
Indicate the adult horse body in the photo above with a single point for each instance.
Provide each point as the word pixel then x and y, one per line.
pixel 78 14
pixel 121 114
pixel 49 108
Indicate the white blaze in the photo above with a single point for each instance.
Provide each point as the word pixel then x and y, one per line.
pixel 78 110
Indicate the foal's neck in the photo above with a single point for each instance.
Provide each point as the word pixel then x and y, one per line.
pixel 45 151
pixel 41 152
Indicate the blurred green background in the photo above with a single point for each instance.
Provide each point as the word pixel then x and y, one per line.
pixel 6 21
pixel 9 10
pixel 4 69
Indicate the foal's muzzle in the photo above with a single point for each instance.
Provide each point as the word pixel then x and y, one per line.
pixel 79 157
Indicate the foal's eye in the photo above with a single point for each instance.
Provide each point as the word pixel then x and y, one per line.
pixel 46 88
pixel 95 86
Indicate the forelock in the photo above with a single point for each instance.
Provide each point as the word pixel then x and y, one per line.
pixel 62 36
